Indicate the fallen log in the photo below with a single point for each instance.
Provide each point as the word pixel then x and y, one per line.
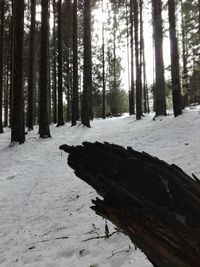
pixel 156 204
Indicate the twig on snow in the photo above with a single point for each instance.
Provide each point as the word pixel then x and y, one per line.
pixel 100 236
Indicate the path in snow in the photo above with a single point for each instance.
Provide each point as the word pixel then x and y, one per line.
pixel 41 199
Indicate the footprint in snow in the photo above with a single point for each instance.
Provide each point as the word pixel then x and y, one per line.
pixel 10 177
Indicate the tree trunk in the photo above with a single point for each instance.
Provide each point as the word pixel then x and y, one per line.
pixel 103 67
pixel 160 105
pixel 128 55
pixel 132 91
pixel 69 47
pixel 176 87
pixel 87 68
pixel 60 69
pixel 6 88
pixel 17 125
pixel 154 203
pixel 184 60
pixel 114 111
pixel 11 62
pixel 54 66
pixel 75 66
pixel 2 6
pixel 31 75
pixel 44 130
pixel 137 63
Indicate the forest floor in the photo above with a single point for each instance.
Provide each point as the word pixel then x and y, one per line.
pixel 45 219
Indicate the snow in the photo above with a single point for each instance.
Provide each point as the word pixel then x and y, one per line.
pixel 44 209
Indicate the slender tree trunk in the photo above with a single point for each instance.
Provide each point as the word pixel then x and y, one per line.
pixel 114 66
pixel 132 91
pixel 199 18
pixel 2 6
pixel 11 62
pixel 103 66
pixel 69 46
pixel 44 130
pixel 60 83
pixel 137 63
pixel 184 60
pixel 75 66
pixel 54 66
pixel 87 69
pixel 128 54
pixel 31 75
pixel 176 88
pixel 17 126
pixel 145 87
pixel 160 105
pixel 6 88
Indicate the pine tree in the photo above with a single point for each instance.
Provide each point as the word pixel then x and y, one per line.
pixel 2 5
pixel 103 65
pixel 137 62
pixel 75 66
pixel 44 130
pixel 17 125
pixel 132 91
pixel 31 74
pixel 160 102
pixel 87 72
pixel 60 69
pixel 54 93
pixel 176 88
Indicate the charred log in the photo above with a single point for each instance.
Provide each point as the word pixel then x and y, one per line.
pixel 156 204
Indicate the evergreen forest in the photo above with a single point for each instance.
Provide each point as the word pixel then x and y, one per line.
pixel 72 61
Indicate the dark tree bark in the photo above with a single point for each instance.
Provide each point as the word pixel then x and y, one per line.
pixel 160 105
pixel 154 203
pixel 185 77
pixel 17 125
pixel 137 63
pixel 11 62
pixel 176 87
pixel 128 52
pixel 75 66
pixel 87 69
pixel 114 109
pixel 31 75
pixel 7 86
pixel 44 130
pixel 132 91
pixel 68 48
pixel 2 7
pixel 144 96
pixel 60 69
pixel 54 93
pixel 103 66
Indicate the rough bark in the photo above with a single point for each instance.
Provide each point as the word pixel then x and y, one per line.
pixel 132 91
pixel 69 48
pixel 103 67
pixel 87 68
pixel 44 130
pixel 54 93
pixel 160 105
pixel 176 87
pixel 31 75
pixel 60 69
pixel 154 203
pixel 185 77
pixel 137 62
pixel 17 124
pixel 2 6
pixel 75 66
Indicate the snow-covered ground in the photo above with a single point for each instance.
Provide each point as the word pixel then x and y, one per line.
pixel 44 209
